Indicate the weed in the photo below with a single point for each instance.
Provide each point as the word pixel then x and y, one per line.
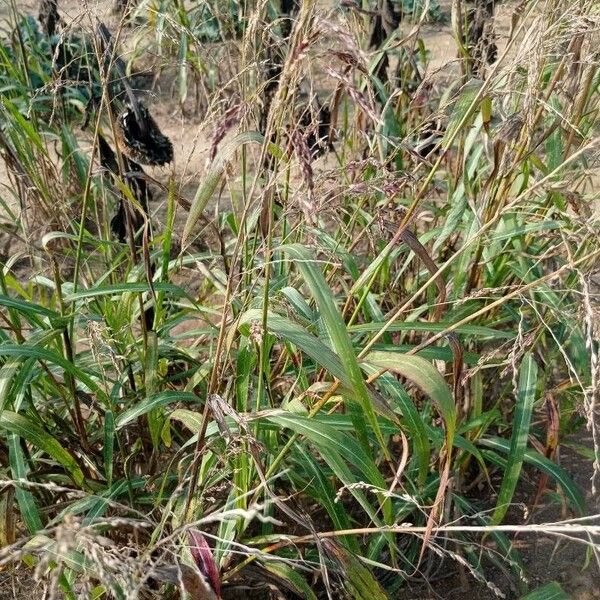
pixel 330 370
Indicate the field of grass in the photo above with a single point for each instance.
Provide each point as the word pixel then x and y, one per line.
pixel 293 304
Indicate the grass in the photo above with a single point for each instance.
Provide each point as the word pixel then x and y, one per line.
pixel 344 362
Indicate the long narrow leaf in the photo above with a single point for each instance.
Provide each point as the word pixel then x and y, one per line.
pixel 28 430
pixel 425 376
pixel 539 461
pixel 518 440
pixel 339 336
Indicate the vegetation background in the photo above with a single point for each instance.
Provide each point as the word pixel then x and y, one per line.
pixel 298 300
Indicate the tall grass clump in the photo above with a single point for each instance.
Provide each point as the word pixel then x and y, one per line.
pixel 335 366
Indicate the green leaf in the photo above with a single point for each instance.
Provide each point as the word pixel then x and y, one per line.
pixel 463 108
pixel 147 404
pixel 550 591
pixel 155 422
pixel 358 581
pixel 411 418
pixel 337 450
pixel 423 374
pixel 475 330
pixel 192 420
pixel 518 440
pixel 124 288
pixel 44 354
pixel 320 488
pixel 109 443
pixel 100 504
pixel 294 333
pixel 324 436
pixel 13 369
pixel 340 339
pixel 292 579
pixel 30 431
pixel 28 308
pixel 25 498
pixel 539 461
pixel 298 302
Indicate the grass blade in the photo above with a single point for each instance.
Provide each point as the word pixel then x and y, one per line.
pixel 339 336
pixel 520 432
pixel 28 430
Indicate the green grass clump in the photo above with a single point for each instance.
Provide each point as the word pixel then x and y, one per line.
pixel 347 353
